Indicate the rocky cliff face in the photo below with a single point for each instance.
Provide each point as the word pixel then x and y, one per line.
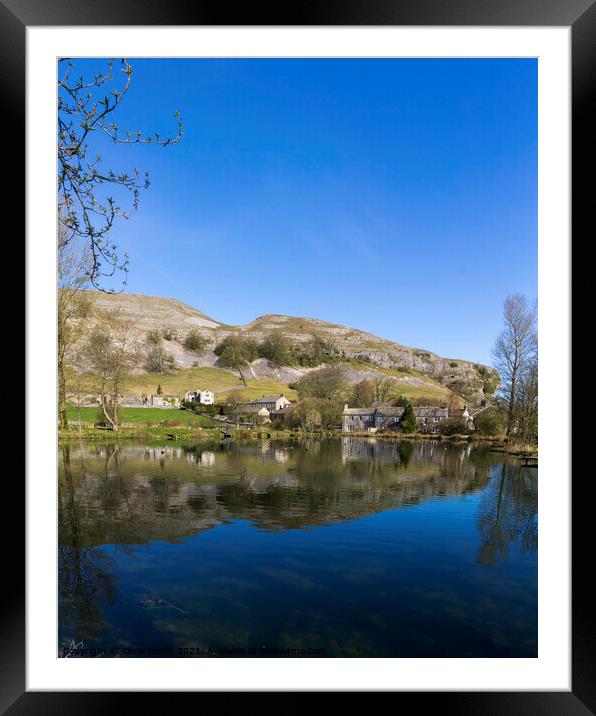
pixel 473 381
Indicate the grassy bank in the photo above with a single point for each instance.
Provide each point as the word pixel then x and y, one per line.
pixel 517 449
pixel 143 417
pixel 188 433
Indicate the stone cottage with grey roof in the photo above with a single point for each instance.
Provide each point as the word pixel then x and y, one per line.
pixel 381 416
pixel 269 402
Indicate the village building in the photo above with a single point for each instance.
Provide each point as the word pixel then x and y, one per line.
pixel 157 400
pixel 281 414
pixel 465 414
pixel 130 401
pixel 261 414
pixel 269 402
pixel 162 400
pixel 204 397
pixel 429 417
pixel 381 416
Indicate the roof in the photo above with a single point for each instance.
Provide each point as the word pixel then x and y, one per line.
pixel 428 411
pixel 391 411
pixel 268 399
pixel 388 410
pixel 283 411
pixel 253 408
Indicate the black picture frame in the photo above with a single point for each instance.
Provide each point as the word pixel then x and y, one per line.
pixel 580 15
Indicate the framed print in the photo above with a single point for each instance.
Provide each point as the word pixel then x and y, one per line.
pixel 291 311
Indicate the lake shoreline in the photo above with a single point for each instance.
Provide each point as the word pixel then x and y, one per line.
pixel 138 434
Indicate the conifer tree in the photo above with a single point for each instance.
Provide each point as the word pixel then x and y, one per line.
pixel 408 419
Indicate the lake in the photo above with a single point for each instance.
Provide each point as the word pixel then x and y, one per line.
pixel 345 547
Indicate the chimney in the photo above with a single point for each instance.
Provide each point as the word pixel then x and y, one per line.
pixel 345 406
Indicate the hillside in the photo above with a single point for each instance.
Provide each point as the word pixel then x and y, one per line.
pixel 418 372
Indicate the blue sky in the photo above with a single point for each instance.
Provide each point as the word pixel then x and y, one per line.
pixel 396 196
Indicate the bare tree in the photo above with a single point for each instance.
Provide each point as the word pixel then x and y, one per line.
pixel 87 205
pixel 112 354
pixel 527 402
pixel 235 404
pixel 384 389
pixel 514 353
pixel 363 394
pixel 73 268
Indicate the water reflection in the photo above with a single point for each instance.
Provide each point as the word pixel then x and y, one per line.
pixel 114 499
pixel 85 579
pixel 508 513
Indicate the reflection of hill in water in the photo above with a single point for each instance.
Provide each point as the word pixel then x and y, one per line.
pixel 132 495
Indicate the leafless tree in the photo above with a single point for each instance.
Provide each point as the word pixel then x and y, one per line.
pixel 112 354
pixel 235 403
pixel 514 354
pixel 363 394
pixel 384 389
pixel 73 268
pixel 87 205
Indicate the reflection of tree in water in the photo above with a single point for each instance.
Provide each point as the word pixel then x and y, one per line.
pixel 508 513
pixel 124 497
pixel 406 449
pixel 84 579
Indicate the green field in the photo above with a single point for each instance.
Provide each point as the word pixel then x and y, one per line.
pixel 145 417
pixel 177 383
pixel 223 382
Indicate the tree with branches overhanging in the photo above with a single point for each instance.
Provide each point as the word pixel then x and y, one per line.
pixel 86 205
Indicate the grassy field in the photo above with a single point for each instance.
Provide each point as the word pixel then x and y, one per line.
pixel 146 417
pixel 177 383
pixel 223 382
pixel 257 388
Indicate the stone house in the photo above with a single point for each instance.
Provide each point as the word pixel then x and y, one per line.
pixel 131 401
pixel 261 414
pixel 157 400
pixel 465 413
pixel 163 400
pixel 381 416
pixel 377 417
pixel 429 417
pixel 281 414
pixel 269 402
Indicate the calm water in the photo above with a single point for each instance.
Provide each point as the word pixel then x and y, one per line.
pixel 345 547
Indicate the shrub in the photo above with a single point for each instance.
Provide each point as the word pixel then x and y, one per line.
pixel 158 360
pixel 326 383
pixel 153 338
pixel 170 334
pixel 489 422
pixel 194 341
pixel 278 349
pixel 315 413
pixel 232 348
pixel 453 426
pixel 316 351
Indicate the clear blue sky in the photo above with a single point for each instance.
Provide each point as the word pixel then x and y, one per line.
pixel 395 196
